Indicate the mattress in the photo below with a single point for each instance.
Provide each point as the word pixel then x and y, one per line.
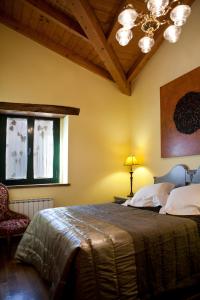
pixel 195 218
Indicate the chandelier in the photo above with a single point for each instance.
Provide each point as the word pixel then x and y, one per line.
pixel 160 12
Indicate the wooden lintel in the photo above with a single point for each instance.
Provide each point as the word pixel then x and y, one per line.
pixel 7 107
pixel 50 44
pixel 58 17
pixel 88 21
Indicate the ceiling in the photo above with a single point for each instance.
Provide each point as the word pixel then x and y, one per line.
pixel 84 32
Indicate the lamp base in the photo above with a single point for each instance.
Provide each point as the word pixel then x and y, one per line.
pixel 130 195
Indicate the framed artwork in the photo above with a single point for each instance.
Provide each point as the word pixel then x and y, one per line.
pixel 180 116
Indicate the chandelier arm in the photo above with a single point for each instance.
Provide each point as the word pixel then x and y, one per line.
pixel 167 10
pixel 165 22
pixel 179 2
pixel 138 24
pixel 141 15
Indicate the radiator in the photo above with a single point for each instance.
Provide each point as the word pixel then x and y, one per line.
pixel 29 207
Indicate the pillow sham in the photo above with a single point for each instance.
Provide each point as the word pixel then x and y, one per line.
pixel 184 200
pixel 152 195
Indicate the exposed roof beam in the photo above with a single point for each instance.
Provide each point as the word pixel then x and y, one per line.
pixel 88 21
pixel 47 42
pixel 57 16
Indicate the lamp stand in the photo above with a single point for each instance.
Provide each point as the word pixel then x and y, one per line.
pixel 131 182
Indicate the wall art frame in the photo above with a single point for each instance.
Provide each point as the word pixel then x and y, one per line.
pixel 180 116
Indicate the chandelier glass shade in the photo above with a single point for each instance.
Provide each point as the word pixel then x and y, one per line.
pixel 180 14
pixel 146 43
pixel 160 12
pixel 157 7
pixel 172 33
pixel 124 36
pixel 127 18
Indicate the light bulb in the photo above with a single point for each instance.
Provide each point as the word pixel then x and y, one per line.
pixel 179 14
pixel 127 17
pixel 146 43
pixel 123 36
pixel 157 7
pixel 172 33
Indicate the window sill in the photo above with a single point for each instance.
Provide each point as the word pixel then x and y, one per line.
pixel 24 186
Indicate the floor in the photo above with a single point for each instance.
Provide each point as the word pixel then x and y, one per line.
pixel 22 282
pixel 17 281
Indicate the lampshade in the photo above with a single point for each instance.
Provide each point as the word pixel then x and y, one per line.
pixel 130 161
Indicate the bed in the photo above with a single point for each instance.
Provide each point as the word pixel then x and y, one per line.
pixel 109 251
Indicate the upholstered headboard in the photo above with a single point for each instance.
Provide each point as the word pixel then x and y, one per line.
pixel 193 176
pixel 180 175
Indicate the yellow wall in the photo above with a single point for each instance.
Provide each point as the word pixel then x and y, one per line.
pixel 169 62
pixel 99 139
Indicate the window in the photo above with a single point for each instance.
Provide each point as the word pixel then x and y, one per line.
pixel 29 150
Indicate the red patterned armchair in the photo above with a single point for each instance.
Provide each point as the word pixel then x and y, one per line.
pixel 11 223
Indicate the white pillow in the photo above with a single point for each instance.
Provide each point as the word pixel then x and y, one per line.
pixel 151 195
pixel 184 200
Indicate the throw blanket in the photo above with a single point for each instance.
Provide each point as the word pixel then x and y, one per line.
pixel 111 252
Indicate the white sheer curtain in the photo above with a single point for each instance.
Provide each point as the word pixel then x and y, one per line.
pixel 16 148
pixel 43 149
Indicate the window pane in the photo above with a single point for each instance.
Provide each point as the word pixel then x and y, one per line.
pixel 16 148
pixel 43 149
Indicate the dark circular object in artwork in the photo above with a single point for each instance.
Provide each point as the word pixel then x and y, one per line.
pixel 187 113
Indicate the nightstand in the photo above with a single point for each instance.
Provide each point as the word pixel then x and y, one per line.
pixel 120 199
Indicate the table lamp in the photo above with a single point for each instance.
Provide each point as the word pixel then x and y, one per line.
pixel 131 161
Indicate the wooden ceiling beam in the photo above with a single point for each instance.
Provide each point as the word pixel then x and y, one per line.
pixel 88 21
pixel 58 16
pixel 50 44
